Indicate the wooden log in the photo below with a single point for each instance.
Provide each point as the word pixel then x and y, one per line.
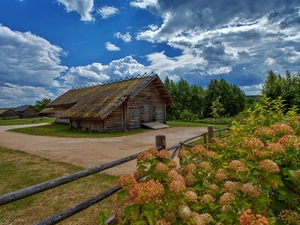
pixel 160 141
pixel 210 132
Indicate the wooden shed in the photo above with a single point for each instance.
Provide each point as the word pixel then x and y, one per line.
pixel 47 112
pixel 9 113
pixel 27 111
pixel 113 106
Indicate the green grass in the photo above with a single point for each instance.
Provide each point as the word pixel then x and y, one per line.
pixel 200 123
pixel 7 122
pixel 20 170
pixel 62 130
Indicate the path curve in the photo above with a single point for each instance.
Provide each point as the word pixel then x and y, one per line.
pixel 90 152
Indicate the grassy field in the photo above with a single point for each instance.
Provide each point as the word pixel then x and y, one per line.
pixel 20 170
pixel 62 130
pixel 7 122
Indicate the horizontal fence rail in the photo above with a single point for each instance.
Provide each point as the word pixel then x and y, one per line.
pixel 26 192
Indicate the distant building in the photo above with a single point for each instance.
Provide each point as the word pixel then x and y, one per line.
pixel 9 113
pixel 27 111
pixel 47 112
pixel 114 106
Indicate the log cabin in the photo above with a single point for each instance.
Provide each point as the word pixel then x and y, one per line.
pixel 9 114
pixel 114 106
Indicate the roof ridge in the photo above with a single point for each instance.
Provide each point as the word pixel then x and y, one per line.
pixel 115 81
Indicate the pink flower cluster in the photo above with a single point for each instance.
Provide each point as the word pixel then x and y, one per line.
pixel 247 218
pixel 145 156
pixel 232 187
pixel 126 181
pixel 281 129
pixel 146 192
pixel 163 154
pixel 254 143
pixel 162 168
pixel 177 186
pixel 264 132
pixel 237 166
pixel 269 166
pixel 207 199
pixel 290 141
pixel 227 199
pixel 251 190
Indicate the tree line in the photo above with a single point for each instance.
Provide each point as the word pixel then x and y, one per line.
pixel 221 99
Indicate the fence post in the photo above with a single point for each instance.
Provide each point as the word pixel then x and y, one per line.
pixel 160 141
pixel 210 132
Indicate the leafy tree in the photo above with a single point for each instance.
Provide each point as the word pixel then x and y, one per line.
pixel 287 87
pixel 41 104
pixel 232 98
pixel 217 108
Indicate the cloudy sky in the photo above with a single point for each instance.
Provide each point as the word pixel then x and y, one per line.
pixel 50 46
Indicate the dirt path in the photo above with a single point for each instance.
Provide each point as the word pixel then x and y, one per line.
pixel 90 152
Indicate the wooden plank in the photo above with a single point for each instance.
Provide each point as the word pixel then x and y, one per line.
pixel 155 125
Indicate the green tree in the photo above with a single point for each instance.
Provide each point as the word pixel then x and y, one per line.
pixel 232 98
pixel 287 87
pixel 41 104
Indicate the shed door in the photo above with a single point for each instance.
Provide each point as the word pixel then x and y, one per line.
pixel 148 113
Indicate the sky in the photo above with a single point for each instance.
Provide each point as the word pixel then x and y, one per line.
pixel 50 46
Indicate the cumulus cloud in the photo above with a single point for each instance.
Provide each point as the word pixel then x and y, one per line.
pixel 28 59
pixel 83 7
pixel 143 4
pixel 98 73
pixel 111 47
pixel 107 11
pixel 125 37
pixel 239 40
pixel 14 95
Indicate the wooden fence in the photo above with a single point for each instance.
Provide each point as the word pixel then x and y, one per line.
pixel 160 144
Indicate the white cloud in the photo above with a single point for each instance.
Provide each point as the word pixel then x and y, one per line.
pixel 107 11
pixel 111 47
pixel 83 7
pixel 28 59
pixel 98 73
pixel 125 37
pixel 143 4
pixel 12 95
pixel 240 41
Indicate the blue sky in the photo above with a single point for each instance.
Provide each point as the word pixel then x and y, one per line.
pixel 50 46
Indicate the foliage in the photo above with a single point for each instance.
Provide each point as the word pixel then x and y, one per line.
pixel 250 177
pixel 217 108
pixel 288 87
pixel 187 116
pixel 41 104
pixel 186 97
pixel 230 96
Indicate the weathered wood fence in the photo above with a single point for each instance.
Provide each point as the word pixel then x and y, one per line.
pixel 160 144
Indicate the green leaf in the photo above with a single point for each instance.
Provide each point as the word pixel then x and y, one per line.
pixel 104 215
pixel 277 205
pixel 122 194
pixel 149 214
pixel 276 179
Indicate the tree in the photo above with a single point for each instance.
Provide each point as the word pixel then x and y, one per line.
pixel 41 104
pixel 287 87
pixel 232 98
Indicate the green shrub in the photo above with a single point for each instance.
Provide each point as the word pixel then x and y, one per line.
pixel 250 177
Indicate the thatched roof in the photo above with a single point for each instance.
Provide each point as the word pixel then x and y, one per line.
pixel 47 110
pixel 2 111
pixel 97 102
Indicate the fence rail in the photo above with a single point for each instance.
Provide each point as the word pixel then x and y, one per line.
pixel 26 192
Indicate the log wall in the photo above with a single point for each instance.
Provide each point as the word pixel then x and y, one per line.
pixel 58 113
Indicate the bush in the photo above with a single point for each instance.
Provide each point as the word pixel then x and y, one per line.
pixel 250 177
pixel 187 116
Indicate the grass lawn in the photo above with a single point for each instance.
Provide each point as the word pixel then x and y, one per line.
pixel 20 170
pixel 62 130
pixel 7 122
